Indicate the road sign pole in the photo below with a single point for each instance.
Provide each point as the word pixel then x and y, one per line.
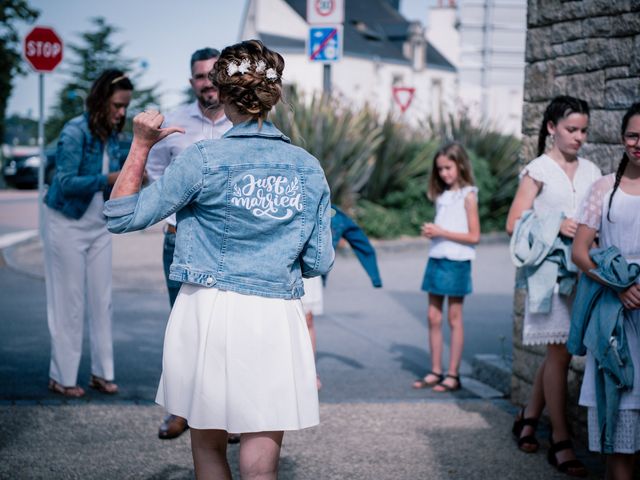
pixel 42 157
pixel 326 79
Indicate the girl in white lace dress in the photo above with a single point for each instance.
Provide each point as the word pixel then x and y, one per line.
pixel 556 181
pixel 612 212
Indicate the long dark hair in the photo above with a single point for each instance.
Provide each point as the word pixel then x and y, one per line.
pixel 633 110
pixel 559 108
pixel 98 104
pixel 455 152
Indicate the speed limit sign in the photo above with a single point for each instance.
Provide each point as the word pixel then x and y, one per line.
pixel 325 12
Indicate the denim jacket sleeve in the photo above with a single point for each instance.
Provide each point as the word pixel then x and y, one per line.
pixel 180 185
pixel 317 255
pixel 69 155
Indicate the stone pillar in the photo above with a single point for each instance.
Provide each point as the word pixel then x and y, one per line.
pixel 587 49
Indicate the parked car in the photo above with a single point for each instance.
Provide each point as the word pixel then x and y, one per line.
pixel 21 164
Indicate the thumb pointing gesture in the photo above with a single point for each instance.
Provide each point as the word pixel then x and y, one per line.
pixel 146 128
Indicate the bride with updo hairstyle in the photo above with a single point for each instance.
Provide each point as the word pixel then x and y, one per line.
pixel 248 77
pixel 254 217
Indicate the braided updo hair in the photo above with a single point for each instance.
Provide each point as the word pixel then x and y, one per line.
pixel 249 76
pixel 632 111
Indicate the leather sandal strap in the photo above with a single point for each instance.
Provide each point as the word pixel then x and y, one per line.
pixel 561 445
pixel 529 440
pixel 532 422
pixel 574 464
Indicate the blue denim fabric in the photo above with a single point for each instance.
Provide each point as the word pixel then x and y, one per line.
pixel 543 258
pixel 342 226
pixel 79 168
pixel 168 248
pixel 597 325
pixel 253 213
pixel 449 278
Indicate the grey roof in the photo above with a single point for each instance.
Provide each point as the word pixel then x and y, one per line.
pixel 372 28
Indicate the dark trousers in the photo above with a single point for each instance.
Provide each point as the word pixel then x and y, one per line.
pixel 167 257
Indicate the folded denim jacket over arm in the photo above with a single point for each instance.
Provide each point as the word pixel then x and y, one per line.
pixel 543 258
pixel 597 325
pixel 253 211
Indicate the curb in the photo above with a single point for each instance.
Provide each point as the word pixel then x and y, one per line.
pixel 493 370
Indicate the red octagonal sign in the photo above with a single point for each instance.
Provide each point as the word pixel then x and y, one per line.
pixel 43 49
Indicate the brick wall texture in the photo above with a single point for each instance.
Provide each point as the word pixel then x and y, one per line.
pixel 589 49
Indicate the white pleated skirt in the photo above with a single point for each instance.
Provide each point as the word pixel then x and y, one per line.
pixel 240 363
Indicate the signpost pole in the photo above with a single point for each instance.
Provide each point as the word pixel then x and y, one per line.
pixel 43 159
pixel 43 50
pixel 326 79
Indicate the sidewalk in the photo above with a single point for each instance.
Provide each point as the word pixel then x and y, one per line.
pixel 373 425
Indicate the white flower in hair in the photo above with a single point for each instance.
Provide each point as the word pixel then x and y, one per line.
pixel 244 67
pixel 272 74
pixel 232 68
pixel 260 66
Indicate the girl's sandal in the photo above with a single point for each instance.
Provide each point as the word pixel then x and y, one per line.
pixel 102 385
pixel 72 392
pixel 528 443
pixel 423 383
pixel 442 387
pixel 573 468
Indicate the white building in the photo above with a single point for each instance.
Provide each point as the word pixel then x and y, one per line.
pixel 382 50
pixel 485 40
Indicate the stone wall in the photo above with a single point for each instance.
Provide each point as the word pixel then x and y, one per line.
pixel 588 49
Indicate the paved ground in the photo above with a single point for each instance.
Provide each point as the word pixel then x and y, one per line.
pixel 372 344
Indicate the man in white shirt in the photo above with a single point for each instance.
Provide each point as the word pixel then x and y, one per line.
pixel 202 119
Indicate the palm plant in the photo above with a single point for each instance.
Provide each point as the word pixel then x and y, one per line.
pixel 342 139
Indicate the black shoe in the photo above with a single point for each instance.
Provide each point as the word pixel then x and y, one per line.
pixel 573 468
pixel 528 443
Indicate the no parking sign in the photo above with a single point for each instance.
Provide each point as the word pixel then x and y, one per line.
pixel 324 43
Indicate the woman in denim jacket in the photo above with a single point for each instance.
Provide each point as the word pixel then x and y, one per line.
pixel 253 217
pixel 77 245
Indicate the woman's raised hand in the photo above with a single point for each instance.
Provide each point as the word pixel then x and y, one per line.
pixel 147 129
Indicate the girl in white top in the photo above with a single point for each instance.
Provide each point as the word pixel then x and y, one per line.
pixel 612 211
pixel 556 181
pixel 453 234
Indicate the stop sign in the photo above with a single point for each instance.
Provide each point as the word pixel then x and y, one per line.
pixel 43 49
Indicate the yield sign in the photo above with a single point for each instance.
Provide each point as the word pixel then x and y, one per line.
pixel 403 97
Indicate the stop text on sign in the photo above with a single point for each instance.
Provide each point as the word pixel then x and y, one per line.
pixel 38 48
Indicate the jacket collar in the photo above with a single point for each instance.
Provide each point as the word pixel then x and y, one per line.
pixel 250 129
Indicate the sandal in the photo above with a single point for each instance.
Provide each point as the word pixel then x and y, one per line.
pixel 422 382
pixel 72 392
pixel 573 468
pixel 102 385
pixel 528 443
pixel 448 388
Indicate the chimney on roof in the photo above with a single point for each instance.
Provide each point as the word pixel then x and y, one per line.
pixel 415 48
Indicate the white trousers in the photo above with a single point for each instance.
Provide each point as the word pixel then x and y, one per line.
pixel 78 282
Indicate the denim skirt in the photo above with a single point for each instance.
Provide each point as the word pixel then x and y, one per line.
pixel 451 278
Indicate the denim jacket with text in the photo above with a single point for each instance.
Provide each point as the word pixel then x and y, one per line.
pixel 79 168
pixel 253 213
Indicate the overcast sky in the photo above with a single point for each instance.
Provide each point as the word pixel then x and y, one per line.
pixel 162 33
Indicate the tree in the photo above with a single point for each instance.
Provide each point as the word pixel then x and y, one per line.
pixel 11 64
pixel 95 53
